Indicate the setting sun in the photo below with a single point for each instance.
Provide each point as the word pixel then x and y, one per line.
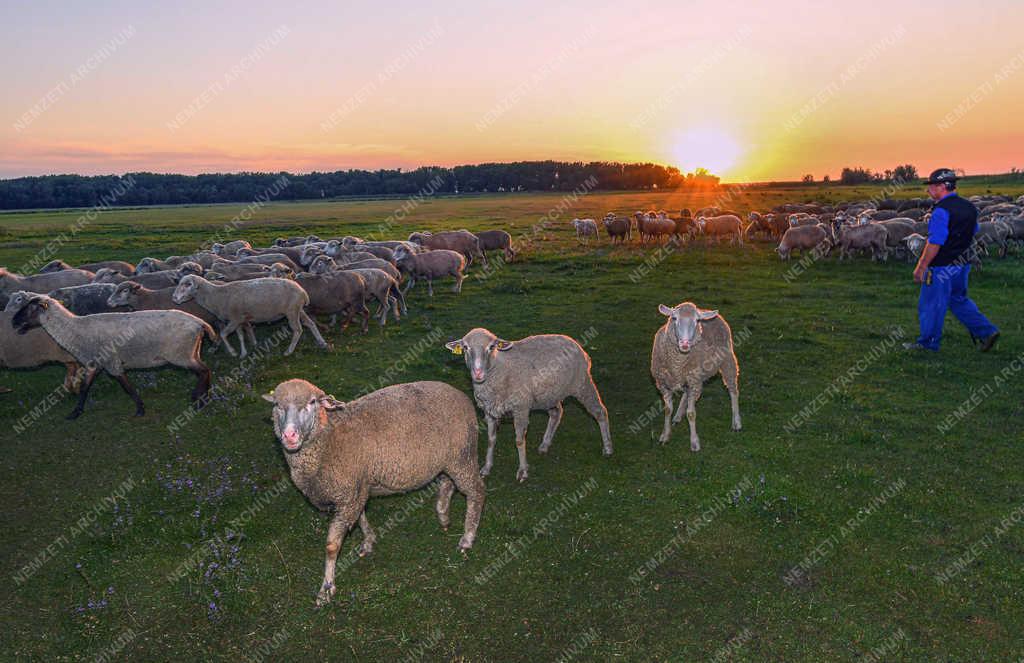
pixel 705 147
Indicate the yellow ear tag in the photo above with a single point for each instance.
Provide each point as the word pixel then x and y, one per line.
pixel 457 350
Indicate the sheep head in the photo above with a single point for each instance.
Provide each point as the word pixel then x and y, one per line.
pixel 186 289
pixel 480 349
pixel 300 411
pixel 685 321
pixel 30 312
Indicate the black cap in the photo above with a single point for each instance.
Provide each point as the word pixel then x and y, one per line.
pixel 941 176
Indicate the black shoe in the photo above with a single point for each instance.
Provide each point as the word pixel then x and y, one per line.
pixel 988 343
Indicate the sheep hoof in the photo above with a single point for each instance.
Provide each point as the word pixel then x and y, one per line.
pixel 465 543
pixel 485 470
pixel 737 426
pixel 521 474
pixel 365 548
pixel 663 439
pixel 324 596
pixel 694 444
pixel 74 414
pixel 140 412
pixel 543 449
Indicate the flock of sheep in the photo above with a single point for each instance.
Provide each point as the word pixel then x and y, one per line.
pixel 114 316
pixel 879 228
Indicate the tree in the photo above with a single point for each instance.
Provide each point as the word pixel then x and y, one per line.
pixel 826 179
pixel 855 176
pixel 905 173
pixel 808 179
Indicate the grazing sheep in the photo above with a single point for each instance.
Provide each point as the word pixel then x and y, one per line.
pixel 689 348
pixel 535 373
pixel 390 441
pixel 725 225
pixel 497 240
pixel 125 268
pixel 117 342
pixel 33 348
pixel 857 238
pixel 805 238
pixel 40 283
pixel 87 299
pixel 618 227
pixel 585 228
pixel 255 301
pixel 461 241
pixel 431 265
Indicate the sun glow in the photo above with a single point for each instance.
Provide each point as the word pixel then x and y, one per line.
pixel 705 147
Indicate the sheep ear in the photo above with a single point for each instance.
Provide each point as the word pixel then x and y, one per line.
pixel 502 344
pixel 665 310
pixel 707 315
pixel 455 346
pixel 269 398
pixel 330 403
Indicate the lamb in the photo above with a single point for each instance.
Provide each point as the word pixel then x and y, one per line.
pixel 461 241
pixel 87 299
pixel 805 238
pixel 689 348
pixel 726 225
pixel 585 228
pixel 534 373
pixel 34 348
pixel 431 265
pixel 40 283
pixel 618 227
pixel 390 441
pixel 869 237
pixel 497 240
pixel 117 342
pixel 255 301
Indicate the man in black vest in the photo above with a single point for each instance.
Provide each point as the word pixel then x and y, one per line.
pixel 944 266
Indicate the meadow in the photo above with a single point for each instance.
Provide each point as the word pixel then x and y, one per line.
pixel 853 518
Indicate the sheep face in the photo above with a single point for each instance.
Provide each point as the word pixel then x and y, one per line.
pixel 145 266
pixel 479 348
pixel 122 294
pixel 309 253
pixel 333 248
pixel 17 300
pixel 217 248
pixel 280 270
pixel 685 320
pixel 28 315
pixel 300 410
pixel 186 290
pixel 189 268
pixel 107 275
pixel 321 265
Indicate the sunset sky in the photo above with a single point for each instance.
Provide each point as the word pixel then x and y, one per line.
pixel 195 87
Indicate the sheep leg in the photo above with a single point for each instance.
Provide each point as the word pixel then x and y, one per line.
pixel 296 327
pixel 240 335
pixel 430 286
pixel 83 391
pixel 445 488
pixel 251 331
pixel 730 376
pixel 469 483
pixel 522 422
pixel 681 409
pixel 459 277
pixel 71 379
pixel 554 418
pixel 691 415
pixel 202 388
pixel 345 516
pixel 666 431
pixel 311 326
pixel 492 439
pixel 369 537
pixel 410 284
pixel 591 400
pixel 129 389
pixel 228 328
pixel 365 312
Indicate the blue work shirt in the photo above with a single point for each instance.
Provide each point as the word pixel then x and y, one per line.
pixel 938 225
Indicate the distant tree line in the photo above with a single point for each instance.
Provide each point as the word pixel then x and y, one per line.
pixel 904 173
pixel 169 189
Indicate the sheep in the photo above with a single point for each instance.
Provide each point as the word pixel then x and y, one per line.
pixel 618 227
pixel 380 282
pixel 689 348
pixel 336 293
pixel 135 297
pixel 40 283
pixel 125 268
pixel 497 240
pixel 33 348
pixel 230 248
pixel 585 228
pixel 150 265
pixel 896 229
pixel 431 265
pixel 870 237
pixel 237 271
pixel 725 225
pixel 155 280
pixel 255 301
pixel 393 440
pixel 87 299
pixel 187 268
pixel 346 257
pixel 335 248
pixel 992 233
pixel 461 241
pixel 117 342
pixel 914 244
pixel 267 259
pixel 56 266
pixel 534 373
pixel 805 238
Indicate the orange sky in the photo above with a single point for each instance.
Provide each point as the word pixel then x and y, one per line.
pixel 753 93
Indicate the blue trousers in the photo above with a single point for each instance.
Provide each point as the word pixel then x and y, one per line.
pixel 948 290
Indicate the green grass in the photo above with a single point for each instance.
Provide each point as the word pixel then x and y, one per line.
pixel 565 563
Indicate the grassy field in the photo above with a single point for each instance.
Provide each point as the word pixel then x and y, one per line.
pixel 849 520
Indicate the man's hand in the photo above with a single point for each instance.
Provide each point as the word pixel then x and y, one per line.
pixel 919 273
